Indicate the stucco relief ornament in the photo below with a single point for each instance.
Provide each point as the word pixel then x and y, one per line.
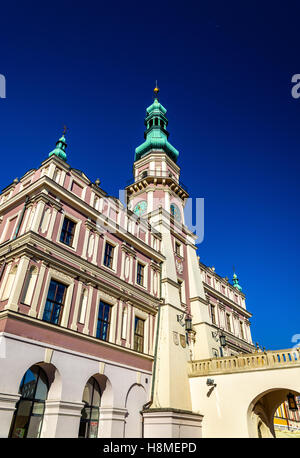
pixel 182 340
pixel 179 266
pixel 175 338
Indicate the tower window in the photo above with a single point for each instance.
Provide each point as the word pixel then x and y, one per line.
pixel 162 124
pixel 177 248
pixel 180 289
pixel 156 121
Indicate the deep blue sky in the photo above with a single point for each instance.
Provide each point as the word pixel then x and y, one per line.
pixel 224 69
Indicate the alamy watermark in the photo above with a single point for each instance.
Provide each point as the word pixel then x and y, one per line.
pixel 192 218
pixel 2 87
pixel 296 341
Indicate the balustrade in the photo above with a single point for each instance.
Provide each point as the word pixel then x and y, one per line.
pixel 245 362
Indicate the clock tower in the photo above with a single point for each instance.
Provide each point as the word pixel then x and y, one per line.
pixel 158 196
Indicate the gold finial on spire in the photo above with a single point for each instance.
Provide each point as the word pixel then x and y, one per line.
pixel 156 90
pixel 65 130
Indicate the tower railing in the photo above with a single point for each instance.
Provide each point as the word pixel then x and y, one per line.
pixel 245 362
pixel 157 174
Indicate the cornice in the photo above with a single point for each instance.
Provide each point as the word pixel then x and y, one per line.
pixel 221 279
pixel 148 158
pixel 226 300
pixel 87 210
pixel 128 249
pixel 27 245
pixel 9 314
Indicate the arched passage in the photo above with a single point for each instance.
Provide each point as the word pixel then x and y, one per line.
pixel 97 393
pixel 136 398
pixel 262 409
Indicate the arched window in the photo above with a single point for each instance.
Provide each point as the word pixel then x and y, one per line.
pixel 89 421
pixel 9 283
pixel 28 417
pixel 29 285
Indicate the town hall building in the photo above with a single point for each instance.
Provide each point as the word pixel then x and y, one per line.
pixel 110 325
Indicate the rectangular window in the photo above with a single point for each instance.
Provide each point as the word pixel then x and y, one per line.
pixel 228 322
pixel 139 335
pixel 103 323
pixel 108 255
pixel 67 232
pixel 140 274
pixel 213 314
pixel 177 248
pixel 55 302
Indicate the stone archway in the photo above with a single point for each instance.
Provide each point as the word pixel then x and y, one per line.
pixel 262 409
pixel 97 398
pixel 40 383
pixel 135 399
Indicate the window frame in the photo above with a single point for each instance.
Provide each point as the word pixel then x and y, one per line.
pixel 91 407
pixel 178 248
pixel 213 313
pixel 109 256
pixel 61 305
pixel 33 400
pixel 140 275
pixel 67 232
pixel 78 222
pixel 102 320
pixel 139 337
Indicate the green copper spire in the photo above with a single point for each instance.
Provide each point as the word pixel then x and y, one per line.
pixel 236 282
pixel 60 149
pixel 156 135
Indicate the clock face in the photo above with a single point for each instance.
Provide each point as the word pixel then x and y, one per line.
pixel 140 208
pixel 174 210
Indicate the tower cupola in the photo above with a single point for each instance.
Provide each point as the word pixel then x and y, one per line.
pixel 156 134
pixel 236 282
pixel 60 149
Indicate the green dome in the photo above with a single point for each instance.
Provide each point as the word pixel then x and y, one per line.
pixel 236 282
pixel 156 135
pixel 60 148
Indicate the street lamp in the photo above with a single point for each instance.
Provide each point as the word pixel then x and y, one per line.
pixel 222 340
pixel 187 322
pixel 292 402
